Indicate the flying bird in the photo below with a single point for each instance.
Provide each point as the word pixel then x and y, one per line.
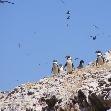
pixel 1 1
pixel 68 17
pixel 68 12
pixel 93 37
pixel 76 58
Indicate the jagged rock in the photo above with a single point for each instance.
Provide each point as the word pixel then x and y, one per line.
pixel 109 79
pixel 87 89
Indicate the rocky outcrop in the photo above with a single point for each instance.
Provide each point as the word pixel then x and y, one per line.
pixel 86 89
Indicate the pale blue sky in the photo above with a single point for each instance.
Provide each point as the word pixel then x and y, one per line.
pixel 40 27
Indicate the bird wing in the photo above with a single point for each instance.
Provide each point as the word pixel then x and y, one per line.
pixel 52 70
pixel 72 65
pixel 65 65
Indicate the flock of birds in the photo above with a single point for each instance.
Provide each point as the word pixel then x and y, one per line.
pixel 6 1
pixel 69 66
pixel 68 17
pixel 69 63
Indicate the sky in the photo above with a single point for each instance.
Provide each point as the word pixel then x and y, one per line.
pixel 34 32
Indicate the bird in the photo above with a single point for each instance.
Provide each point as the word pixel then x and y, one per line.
pixel 100 60
pixel 69 65
pixel 68 17
pixel 76 58
pixel 55 67
pixel 68 12
pixel 93 37
pixel 81 64
pixel 6 2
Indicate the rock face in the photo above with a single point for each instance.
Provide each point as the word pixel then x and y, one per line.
pixel 86 89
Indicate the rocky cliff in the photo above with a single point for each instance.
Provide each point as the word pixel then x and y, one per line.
pixel 86 89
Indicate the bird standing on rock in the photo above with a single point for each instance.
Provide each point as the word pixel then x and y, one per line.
pixel 69 65
pixel 81 64
pixel 55 67
pixel 100 59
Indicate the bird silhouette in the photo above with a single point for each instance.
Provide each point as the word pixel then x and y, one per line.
pixel 76 58
pixel 68 12
pixel 6 1
pixel 68 17
pixel 93 37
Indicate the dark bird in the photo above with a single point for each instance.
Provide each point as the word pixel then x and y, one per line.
pixel 81 64
pixel 68 17
pixel 76 58
pixel 68 12
pixel 94 38
pixel 98 51
pixel 6 2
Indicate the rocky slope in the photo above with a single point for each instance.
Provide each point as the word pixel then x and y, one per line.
pixel 86 89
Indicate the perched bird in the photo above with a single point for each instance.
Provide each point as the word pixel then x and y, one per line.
pixel 55 67
pixel 81 64
pixel 69 64
pixel 68 12
pixel 61 68
pixel 100 59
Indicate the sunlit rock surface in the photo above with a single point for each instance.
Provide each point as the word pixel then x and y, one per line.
pixel 86 89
